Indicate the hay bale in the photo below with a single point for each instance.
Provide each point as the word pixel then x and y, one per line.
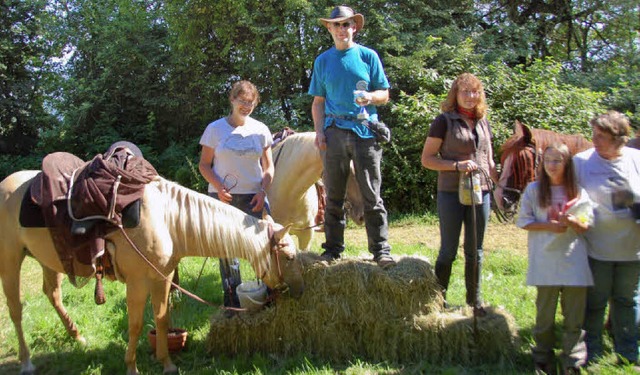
pixel 353 308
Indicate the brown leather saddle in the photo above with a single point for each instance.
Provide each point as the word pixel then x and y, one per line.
pixel 81 202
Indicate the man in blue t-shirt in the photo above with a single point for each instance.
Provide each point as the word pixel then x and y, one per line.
pixel 348 83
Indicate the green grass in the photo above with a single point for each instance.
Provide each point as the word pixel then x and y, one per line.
pixel 105 326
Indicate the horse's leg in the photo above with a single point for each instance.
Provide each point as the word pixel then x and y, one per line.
pixel 137 292
pixel 160 303
pixel 52 287
pixel 10 274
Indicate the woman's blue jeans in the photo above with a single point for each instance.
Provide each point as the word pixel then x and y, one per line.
pixel 618 282
pixel 230 268
pixel 452 215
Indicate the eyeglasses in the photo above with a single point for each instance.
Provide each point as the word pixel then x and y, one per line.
pixel 338 25
pixel 244 103
pixel 553 161
pixel 470 93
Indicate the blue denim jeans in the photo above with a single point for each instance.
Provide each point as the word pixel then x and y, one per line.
pixel 230 268
pixel 617 281
pixel 452 215
pixel 344 146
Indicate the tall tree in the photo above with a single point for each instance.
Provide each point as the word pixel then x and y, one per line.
pixel 24 51
pixel 579 32
pixel 115 86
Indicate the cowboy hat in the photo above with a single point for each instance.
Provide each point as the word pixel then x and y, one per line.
pixel 341 13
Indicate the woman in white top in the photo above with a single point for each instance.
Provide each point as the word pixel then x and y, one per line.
pixel 237 162
pixel 610 172
pixel 555 211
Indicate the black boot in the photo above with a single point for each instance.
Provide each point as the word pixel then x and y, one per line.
pixel 230 274
pixel 472 283
pixel 443 273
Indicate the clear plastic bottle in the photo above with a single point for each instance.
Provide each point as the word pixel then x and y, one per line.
pixel 469 188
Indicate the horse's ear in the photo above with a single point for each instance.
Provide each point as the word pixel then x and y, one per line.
pixel 524 131
pixel 280 233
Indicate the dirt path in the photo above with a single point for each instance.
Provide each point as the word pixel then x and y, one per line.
pixel 498 236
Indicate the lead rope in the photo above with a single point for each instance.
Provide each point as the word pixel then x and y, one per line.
pixel 181 289
pixel 474 227
pixel 190 294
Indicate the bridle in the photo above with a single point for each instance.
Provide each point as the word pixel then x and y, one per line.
pixel 524 163
pixel 521 163
pixel 276 250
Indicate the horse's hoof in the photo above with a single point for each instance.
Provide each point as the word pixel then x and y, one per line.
pixel 170 370
pixel 28 368
pixel 81 340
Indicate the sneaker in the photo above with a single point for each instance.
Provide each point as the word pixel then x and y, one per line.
pixel 329 256
pixel 384 261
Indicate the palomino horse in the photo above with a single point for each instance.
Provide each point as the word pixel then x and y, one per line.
pixel 175 222
pixel 520 158
pixel 293 196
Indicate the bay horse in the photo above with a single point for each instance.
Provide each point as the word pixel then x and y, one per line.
pixel 520 160
pixel 292 195
pixel 175 222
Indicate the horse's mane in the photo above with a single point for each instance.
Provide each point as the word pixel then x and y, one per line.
pixel 575 142
pixel 205 223
pixel 525 150
pixel 542 138
pixel 298 165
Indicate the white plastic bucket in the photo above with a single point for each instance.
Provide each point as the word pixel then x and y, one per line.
pixel 252 295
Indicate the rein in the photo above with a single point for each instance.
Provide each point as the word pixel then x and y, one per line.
pixel 275 248
pixel 181 289
pixel 502 216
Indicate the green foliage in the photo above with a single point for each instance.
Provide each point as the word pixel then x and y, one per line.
pixel 23 56
pixel 12 163
pixel 412 188
pixel 179 163
pixel 620 81
pixel 537 96
pixel 78 75
pixel 115 86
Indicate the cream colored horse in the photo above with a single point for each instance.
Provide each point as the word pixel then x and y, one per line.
pixel 293 196
pixel 175 222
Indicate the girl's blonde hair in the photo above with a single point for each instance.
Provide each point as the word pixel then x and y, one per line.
pixel 469 82
pixel 569 179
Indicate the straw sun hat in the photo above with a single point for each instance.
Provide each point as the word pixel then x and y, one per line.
pixel 342 13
